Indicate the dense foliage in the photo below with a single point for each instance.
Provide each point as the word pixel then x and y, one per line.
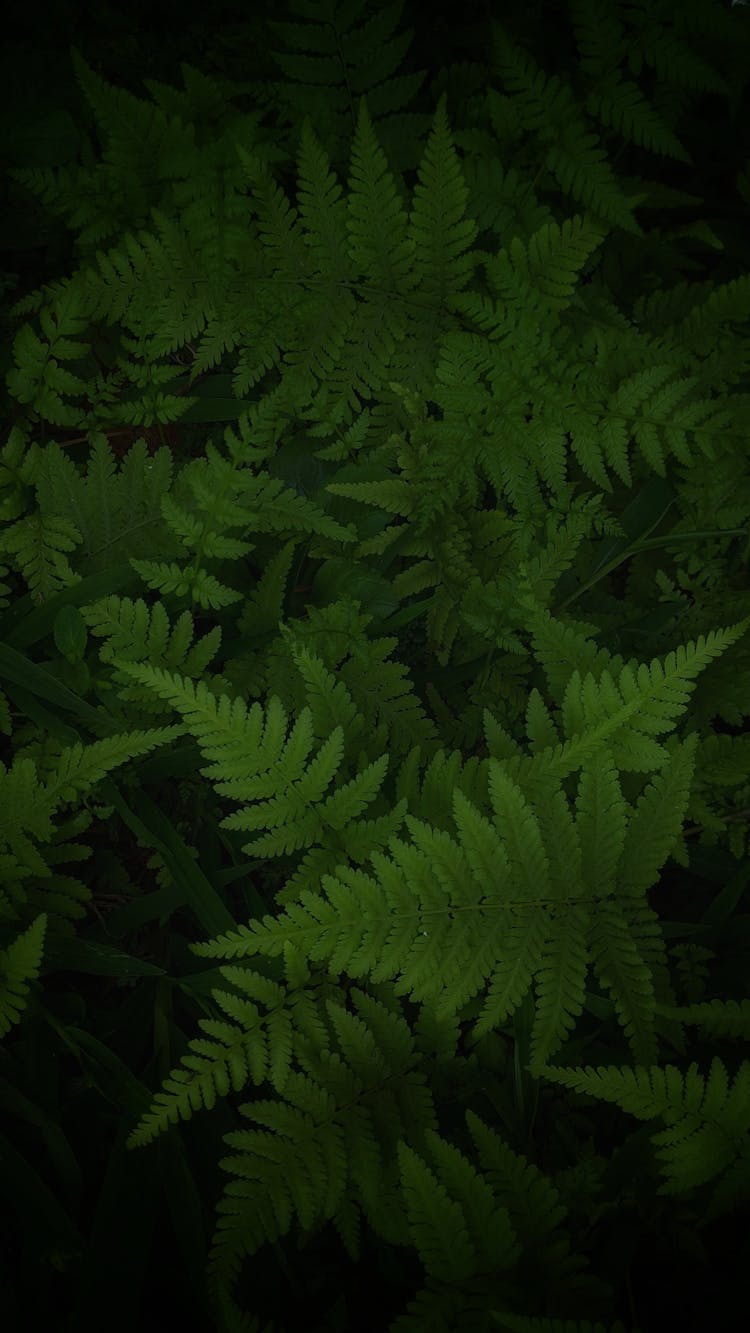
pixel 374 675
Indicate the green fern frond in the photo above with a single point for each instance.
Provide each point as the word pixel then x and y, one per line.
pixel 561 836
pixel 656 41
pixel 560 984
pixel 370 697
pixel 440 232
pixel 39 379
pixel 619 104
pixel 442 917
pixel 20 962
pixel 272 507
pixel 521 833
pixel 341 51
pixel 279 228
pixel 639 706
pixel 256 1044
pixel 18 465
pixel 548 109
pixel 330 1147
pixel 322 209
pixel 599 34
pixel 29 795
pixel 379 244
pixel 264 606
pixel 536 1211
pixel 202 588
pixel 224 496
pixel 135 632
pixel 499 197
pixel 649 402
pixel 80 767
pixel 115 510
pixel 381 927
pixel 38 545
pixel 718 1018
pixel 330 702
pixel 454 1219
pixel 563 648
pixel 624 972
pixel 227 732
pixel 252 761
pixel 45 776
pixel 140 139
pixel 540 727
pixel 540 278
pixel 601 823
pixel 656 822
pixel 719 305
pixel 707 1121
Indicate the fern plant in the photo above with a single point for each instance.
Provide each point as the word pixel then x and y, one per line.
pixel 431 595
